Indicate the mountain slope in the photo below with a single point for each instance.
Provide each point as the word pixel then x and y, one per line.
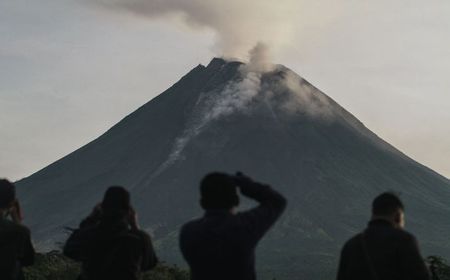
pixel 274 126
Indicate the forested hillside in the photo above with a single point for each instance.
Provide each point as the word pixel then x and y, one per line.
pixel 54 266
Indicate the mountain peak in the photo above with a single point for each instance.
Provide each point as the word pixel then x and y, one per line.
pixel 216 62
pixel 274 126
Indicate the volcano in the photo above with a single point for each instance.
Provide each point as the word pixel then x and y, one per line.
pixel 275 127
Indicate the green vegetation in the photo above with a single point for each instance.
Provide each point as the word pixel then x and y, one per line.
pixel 164 272
pixel 440 267
pixel 54 266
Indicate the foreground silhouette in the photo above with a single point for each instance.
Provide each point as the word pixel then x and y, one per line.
pixel 109 243
pixel 221 244
pixel 16 249
pixel 384 251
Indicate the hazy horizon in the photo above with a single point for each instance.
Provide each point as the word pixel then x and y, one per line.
pixel 70 70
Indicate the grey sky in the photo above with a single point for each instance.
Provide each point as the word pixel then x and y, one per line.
pixel 70 70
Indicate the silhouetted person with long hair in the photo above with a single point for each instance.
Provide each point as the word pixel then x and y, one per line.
pixel 109 243
pixel 221 244
pixel 16 249
pixel 384 251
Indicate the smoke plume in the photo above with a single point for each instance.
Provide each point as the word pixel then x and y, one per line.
pixel 238 24
pixel 238 94
pixel 260 26
pixel 305 98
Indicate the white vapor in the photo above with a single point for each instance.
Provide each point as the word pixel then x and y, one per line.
pixel 238 24
pixel 236 95
pixel 305 98
pixel 239 93
pixel 260 26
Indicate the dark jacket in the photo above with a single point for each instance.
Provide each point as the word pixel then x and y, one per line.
pixel 222 245
pixel 16 250
pixel 109 250
pixel 392 254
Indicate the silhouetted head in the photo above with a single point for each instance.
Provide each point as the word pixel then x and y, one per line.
pixel 7 194
pixel 218 191
pixel 116 201
pixel 389 207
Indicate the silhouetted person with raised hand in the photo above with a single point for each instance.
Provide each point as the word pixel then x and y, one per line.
pixel 384 251
pixel 16 249
pixel 221 244
pixel 109 243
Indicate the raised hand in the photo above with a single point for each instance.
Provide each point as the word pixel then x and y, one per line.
pixel 242 180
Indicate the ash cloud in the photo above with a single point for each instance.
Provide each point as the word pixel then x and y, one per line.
pixel 305 98
pixel 235 96
pixel 238 24
pixel 302 97
pixel 238 94
pixel 261 26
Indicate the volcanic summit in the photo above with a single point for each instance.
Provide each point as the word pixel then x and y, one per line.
pixel 272 125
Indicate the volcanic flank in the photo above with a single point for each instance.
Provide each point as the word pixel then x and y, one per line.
pixel 272 125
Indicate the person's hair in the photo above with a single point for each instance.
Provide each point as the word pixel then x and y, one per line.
pixel 386 204
pixel 116 201
pixel 7 193
pixel 218 191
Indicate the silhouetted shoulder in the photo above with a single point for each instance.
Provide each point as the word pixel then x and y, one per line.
pixel 24 231
pixel 403 237
pixel 191 234
pixel 403 234
pixel 406 239
pixel 191 226
pixel 391 233
pixel 140 233
pixel 187 227
pixel 17 229
pixel 18 239
pixel 352 243
pixel 149 258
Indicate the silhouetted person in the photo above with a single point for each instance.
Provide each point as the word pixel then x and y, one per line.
pixel 384 251
pixel 16 249
pixel 221 244
pixel 109 243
